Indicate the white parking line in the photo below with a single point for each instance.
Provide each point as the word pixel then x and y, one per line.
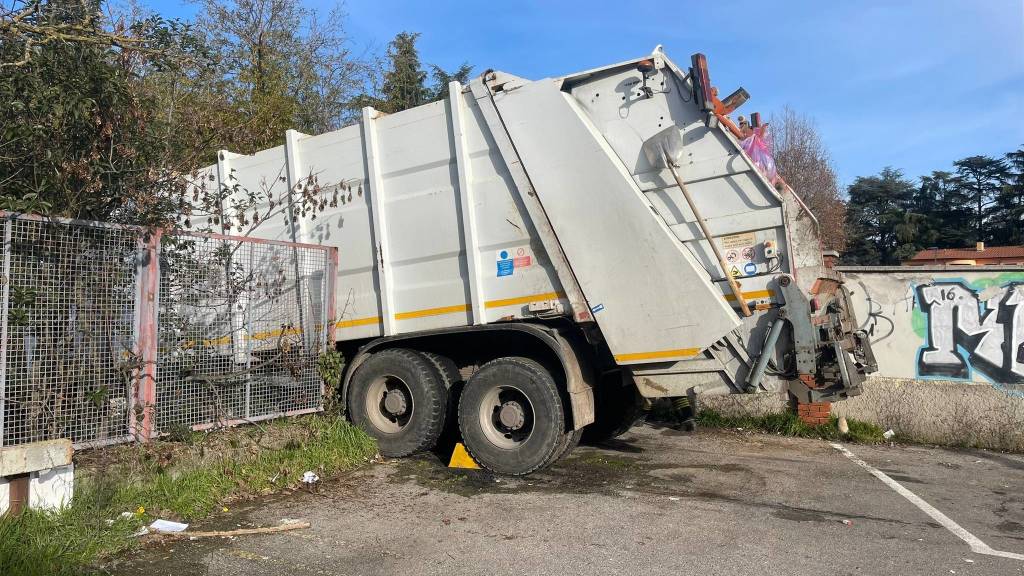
pixel 959 531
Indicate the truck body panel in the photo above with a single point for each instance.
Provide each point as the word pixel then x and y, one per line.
pixel 516 200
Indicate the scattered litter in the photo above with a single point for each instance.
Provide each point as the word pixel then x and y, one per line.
pixel 289 521
pixel 888 434
pixel 968 560
pixel 673 498
pixel 167 526
pixel 140 532
pixel 242 531
pixel 847 522
pixel 310 478
pixel 844 426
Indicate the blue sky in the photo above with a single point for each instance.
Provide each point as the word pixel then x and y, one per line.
pixel 914 84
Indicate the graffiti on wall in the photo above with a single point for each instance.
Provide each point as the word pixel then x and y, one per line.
pixel 969 328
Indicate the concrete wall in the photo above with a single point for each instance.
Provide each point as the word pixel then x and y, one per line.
pixel 950 348
pixel 964 325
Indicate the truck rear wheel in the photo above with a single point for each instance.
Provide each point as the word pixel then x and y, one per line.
pixel 511 417
pixel 617 407
pixel 398 396
pixel 570 441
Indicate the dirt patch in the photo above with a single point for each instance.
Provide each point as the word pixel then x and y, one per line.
pixel 586 471
pixel 799 515
pixel 1010 527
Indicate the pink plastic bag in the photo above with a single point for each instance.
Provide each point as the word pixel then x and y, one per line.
pixel 759 147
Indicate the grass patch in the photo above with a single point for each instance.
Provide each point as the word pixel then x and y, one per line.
pixel 788 424
pixel 184 480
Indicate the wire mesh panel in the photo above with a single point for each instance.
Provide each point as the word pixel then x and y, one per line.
pixel 109 333
pixel 241 325
pixel 67 360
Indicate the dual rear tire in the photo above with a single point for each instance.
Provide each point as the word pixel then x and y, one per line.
pixel 510 412
pixel 399 397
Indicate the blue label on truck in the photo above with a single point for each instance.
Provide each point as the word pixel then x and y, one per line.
pixel 505 267
pixel 750 268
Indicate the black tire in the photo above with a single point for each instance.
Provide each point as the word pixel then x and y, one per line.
pixel 453 382
pixel 569 441
pixel 448 369
pixel 528 392
pixel 420 391
pixel 617 408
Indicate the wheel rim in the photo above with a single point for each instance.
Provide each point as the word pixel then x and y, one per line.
pixel 506 417
pixel 389 404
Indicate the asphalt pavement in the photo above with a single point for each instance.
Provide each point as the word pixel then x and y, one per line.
pixel 655 501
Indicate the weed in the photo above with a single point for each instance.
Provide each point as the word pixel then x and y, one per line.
pixel 180 481
pixel 788 424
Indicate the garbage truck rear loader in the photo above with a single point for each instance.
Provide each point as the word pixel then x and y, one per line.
pixel 530 259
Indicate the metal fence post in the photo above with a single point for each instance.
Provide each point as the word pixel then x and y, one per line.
pixel 249 333
pixel 148 343
pixel 3 324
pixel 330 288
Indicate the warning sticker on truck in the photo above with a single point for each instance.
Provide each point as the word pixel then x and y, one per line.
pixel 739 240
pixel 508 261
pixel 505 266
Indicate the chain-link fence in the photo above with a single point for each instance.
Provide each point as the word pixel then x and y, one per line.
pixel 109 333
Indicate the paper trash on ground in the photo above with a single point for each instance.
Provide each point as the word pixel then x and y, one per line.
pixel 167 526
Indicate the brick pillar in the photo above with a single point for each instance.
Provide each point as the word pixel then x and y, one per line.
pixel 814 413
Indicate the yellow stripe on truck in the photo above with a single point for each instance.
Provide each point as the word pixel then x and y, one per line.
pixel 658 354
pixel 465 307
pixel 358 322
pixel 522 300
pixel 432 312
pixel 752 295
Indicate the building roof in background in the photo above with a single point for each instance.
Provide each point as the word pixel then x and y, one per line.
pixel 969 253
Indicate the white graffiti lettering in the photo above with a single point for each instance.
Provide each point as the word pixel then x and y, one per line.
pixel 990 330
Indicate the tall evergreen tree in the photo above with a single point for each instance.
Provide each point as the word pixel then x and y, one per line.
pixel 442 78
pixel 981 179
pixel 947 211
pixel 404 83
pixel 1008 208
pixel 883 230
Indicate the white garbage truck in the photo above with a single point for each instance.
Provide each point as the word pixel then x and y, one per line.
pixel 525 260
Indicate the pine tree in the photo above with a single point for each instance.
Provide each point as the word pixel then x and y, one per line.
pixel 1007 216
pixel 981 179
pixel 947 211
pixel 883 230
pixel 442 78
pixel 404 82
